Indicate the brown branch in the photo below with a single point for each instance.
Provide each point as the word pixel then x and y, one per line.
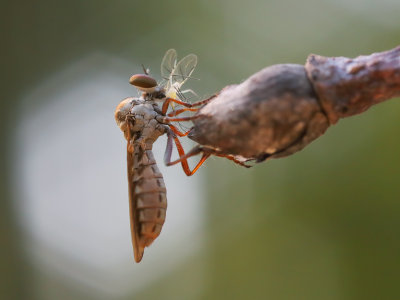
pixel 346 86
pixel 282 108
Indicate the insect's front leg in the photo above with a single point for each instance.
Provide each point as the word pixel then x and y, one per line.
pixel 179 111
pixel 173 113
pixel 167 121
pixel 187 105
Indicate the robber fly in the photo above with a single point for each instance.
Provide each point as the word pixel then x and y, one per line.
pixel 142 122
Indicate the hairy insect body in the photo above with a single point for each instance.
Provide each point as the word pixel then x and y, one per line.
pixel 138 119
pixel 146 124
pixel 142 122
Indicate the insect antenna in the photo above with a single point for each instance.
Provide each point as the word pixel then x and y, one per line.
pixel 145 70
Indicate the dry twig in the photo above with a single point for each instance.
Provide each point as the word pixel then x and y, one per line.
pixel 282 108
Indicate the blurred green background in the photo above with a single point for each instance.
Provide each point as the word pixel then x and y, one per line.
pixel 322 224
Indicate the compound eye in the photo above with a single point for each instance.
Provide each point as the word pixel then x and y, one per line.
pixel 143 82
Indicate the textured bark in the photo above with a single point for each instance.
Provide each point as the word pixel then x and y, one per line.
pixel 347 86
pixel 282 108
pixel 273 113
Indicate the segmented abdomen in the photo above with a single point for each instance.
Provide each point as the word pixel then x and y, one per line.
pixel 149 197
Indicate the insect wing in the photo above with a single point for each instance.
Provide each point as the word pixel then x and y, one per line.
pixel 168 63
pixel 184 69
pixel 137 249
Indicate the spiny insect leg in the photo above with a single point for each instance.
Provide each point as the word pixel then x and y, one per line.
pixel 182 156
pixel 177 132
pixel 179 111
pixel 182 119
pixel 232 158
pixel 169 100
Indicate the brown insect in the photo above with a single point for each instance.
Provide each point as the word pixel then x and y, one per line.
pixel 142 122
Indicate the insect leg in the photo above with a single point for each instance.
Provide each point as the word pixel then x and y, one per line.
pixel 207 152
pixel 179 111
pixel 201 102
pixel 201 161
pixel 168 151
pixel 169 127
pixel 232 158
pixel 168 120
pixel 189 91
pixel 182 119
pixel 177 132
pixel 182 156
pixel 169 100
pixel 196 150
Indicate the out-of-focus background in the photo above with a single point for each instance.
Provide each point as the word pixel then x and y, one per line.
pixel 322 224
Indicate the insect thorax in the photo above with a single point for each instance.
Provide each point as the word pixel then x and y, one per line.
pixel 140 118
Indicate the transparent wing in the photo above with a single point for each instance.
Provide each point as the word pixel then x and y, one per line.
pixel 184 69
pixel 168 63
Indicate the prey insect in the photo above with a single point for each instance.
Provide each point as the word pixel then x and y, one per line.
pixel 142 122
pixel 177 73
